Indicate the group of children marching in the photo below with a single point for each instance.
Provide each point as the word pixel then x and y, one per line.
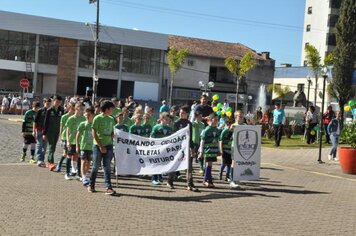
pixel 86 135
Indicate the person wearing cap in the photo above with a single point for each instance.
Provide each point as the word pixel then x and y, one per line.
pixel 164 107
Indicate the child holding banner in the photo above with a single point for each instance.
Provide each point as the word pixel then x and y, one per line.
pixel 137 128
pixel 225 142
pixel 84 143
pixel 180 124
pixel 147 128
pixel 197 127
pixel 209 147
pixel 120 123
pixel 160 131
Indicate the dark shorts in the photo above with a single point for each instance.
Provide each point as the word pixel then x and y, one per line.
pixel 86 155
pixel 226 158
pixel 72 149
pixel 211 158
pixel 64 145
pixel 28 139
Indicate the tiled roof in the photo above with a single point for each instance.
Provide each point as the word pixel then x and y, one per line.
pixel 210 48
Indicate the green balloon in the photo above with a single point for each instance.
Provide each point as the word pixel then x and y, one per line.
pixel 219 105
pixel 229 109
pixel 352 103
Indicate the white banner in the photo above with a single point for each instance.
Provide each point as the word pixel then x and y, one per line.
pixel 136 155
pixel 247 152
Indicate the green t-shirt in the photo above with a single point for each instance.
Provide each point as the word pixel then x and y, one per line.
pixel 85 136
pixel 160 131
pixel 116 111
pixel 197 128
pixel 152 121
pixel 28 120
pixel 64 119
pixel 226 137
pixel 104 127
pixel 210 135
pixel 122 127
pixel 128 122
pixel 147 129
pixel 137 129
pixel 72 124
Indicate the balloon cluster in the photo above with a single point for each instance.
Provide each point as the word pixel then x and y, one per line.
pixel 351 106
pixel 219 109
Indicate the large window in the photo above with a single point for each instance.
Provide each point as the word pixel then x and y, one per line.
pixel 141 60
pixel 17 46
pixel 108 56
pixel 220 75
pixel 331 40
pixel 332 20
pixel 335 4
pixel 48 50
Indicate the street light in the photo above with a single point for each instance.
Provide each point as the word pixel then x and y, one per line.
pixel 206 87
pixel 309 83
pixel 96 40
pixel 324 73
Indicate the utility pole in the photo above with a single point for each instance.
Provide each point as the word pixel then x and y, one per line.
pixel 96 41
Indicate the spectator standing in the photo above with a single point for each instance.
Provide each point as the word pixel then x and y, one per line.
pixel 327 117
pixel 278 121
pixel 164 107
pixel 334 129
pixel 311 121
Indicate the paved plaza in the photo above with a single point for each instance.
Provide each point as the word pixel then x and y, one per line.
pixel 295 196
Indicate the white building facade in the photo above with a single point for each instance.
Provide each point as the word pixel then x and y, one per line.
pixel 319 26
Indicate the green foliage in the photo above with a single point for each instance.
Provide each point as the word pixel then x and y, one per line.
pixel 279 90
pixel 240 68
pixel 176 59
pixel 329 59
pixel 348 135
pixel 313 59
pixel 345 52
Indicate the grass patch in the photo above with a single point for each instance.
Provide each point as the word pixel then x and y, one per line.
pixel 295 142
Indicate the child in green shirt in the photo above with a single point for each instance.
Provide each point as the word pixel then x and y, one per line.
pixel 159 131
pixel 147 128
pixel 209 147
pixel 197 127
pixel 120 123
pixel 84 143
pixel 137 127
pixel 72 126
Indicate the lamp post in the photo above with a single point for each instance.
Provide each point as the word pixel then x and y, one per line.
pixel 96 40
pixel 324 73
pixel 206 87
pixel 309 83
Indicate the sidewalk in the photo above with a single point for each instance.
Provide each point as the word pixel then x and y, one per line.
pixel 14 118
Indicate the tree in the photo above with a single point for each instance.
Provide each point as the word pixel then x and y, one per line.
pixel 176 59
pixel 344 53
pixel 240 69
pixel 313 61
pixel 279 90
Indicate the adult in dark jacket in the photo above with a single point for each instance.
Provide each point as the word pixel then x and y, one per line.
pixel 52 127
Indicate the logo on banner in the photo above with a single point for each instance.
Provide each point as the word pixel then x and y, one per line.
pixel 246 143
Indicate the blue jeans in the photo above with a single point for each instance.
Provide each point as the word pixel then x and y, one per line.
pixel 107 158
pixel 334 143
pixel 41 146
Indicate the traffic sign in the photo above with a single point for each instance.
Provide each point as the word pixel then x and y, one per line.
pixel 24 83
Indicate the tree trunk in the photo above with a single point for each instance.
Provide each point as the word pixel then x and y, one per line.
pixel 237 93
pixel 171 92
pixel 316 89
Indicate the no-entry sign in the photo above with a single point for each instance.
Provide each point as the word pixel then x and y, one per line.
pixel 24 83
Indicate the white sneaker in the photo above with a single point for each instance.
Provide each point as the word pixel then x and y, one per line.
pixel 336 159
pixel 232 184
pixel 330 157
pixel 67 177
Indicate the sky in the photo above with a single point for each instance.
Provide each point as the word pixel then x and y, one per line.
pixel 275 26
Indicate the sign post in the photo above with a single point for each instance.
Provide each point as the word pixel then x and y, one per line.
pixel 24 84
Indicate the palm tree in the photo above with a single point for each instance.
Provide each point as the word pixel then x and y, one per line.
pixel 176 58
pixel 314 63
pixel 279 90
pixel 240 69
